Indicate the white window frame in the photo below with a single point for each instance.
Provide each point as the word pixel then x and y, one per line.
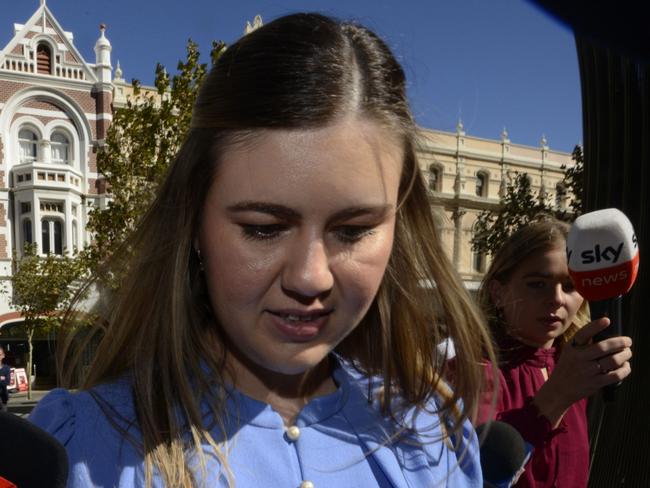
pixel 48 222
pixel 24 142
pixel 65 146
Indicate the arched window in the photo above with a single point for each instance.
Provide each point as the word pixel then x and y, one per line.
pixel 478 262
pixel 27 231
pixel 58 237
pixel 435 178
pixel 75 243
pixel 52 236
pixel 60 145
pixel 43 59
pixel 481 184
pixel 45 236
pixel 28 143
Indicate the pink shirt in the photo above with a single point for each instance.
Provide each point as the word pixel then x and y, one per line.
pixel 561 455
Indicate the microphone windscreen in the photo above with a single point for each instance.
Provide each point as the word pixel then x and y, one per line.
pixel 503 452
pixel 602 254
pixel 29 456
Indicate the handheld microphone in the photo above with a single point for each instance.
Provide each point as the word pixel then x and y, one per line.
pixel 603 261
pixel 29 456
pixel 504 453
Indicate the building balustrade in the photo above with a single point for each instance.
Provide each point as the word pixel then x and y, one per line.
pixel 53 176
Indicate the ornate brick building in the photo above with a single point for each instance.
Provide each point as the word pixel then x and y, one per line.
pixel 55 108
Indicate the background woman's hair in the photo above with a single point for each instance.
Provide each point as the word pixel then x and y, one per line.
pixel 297 72
pixel 544 234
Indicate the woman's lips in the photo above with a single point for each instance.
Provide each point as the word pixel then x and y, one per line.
pixel 299 325
pixel 552 321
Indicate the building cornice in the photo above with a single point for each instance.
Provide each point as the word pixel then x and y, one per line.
pixel 490 157
pixel 428 144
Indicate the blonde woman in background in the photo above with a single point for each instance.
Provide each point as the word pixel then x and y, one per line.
pixel 548 366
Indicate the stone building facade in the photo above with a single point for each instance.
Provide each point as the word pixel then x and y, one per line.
pixel 55 108
pixel 468 174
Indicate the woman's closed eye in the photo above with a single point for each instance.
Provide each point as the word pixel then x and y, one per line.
pixel 353 233
pixel 262 232
pixel 536 284
pixel 348 234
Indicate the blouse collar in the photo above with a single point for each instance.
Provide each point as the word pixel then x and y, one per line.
pixel 254 412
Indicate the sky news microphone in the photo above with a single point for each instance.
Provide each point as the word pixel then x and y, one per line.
pixel 603 259
pixel 29 456
pixel 504 453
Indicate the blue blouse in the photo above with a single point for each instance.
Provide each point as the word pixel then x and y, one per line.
pixel 338 440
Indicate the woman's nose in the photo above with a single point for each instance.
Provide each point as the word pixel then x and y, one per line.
pixel 557 295
pixel 307 270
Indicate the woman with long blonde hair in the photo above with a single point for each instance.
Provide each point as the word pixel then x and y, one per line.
pixel 548 365
pixel 272 328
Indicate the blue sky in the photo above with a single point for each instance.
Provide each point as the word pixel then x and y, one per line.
pixel 492 63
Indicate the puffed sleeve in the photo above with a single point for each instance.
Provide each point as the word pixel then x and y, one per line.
pixel 56 415
pixel 99 453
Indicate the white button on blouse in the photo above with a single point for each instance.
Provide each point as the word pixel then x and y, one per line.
pixel 293 433
pixel 306 484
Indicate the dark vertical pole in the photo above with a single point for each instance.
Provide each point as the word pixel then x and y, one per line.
pixel 616 124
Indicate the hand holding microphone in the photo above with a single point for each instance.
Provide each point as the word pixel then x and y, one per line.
pixel 603 261
pixel 585 367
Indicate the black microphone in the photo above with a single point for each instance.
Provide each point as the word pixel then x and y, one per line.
pixel 29 456
pixel 504 453
pixel 603 259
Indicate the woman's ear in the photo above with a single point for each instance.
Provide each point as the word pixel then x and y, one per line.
pixel 496 293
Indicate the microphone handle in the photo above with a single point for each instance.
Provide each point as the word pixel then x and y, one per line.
pixel 610 307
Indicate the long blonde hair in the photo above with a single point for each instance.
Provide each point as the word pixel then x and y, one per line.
pixel 313 69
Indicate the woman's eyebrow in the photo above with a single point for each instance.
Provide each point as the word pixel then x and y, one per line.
pixel 536 274
pixel 287 213
pixel 539 274
pixel 352 212
pixel 266 208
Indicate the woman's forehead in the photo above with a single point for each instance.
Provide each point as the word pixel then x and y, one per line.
pixel 351 157
pixel 351 128
pixel 549 263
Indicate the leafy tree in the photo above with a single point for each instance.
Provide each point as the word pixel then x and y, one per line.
pixel 42 289
pixel 140 144
pixel 574 180
pixel 519 205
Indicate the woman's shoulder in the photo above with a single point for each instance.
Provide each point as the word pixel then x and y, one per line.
pixel 72 415
pixel 98 429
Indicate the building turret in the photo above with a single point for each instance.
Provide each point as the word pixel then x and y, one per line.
pixel 103 90
pixel 103 48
